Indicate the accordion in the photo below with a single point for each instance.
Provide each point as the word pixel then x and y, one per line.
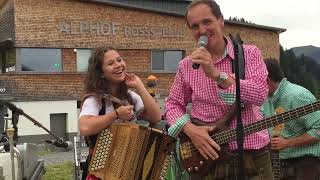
pixel 128 151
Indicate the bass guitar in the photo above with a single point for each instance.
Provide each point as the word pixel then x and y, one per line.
pixel 194 163
pixel 275 158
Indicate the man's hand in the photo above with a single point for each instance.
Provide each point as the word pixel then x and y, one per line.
pixel 203 57
pixel 200 138
pixel 279 143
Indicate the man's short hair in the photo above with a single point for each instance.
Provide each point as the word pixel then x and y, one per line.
pixel 274 70
pixel 215 8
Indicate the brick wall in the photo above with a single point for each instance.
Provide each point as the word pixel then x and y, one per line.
pixel 69 60
pixel 38 24
pixel 59 86
pixel 6 21
pixel 43 86
pixel 266 41
pixel 137 60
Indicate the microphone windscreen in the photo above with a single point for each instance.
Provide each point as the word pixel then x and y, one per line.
pixel 203 41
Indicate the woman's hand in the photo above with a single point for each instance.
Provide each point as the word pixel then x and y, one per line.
pixel 152 109
pixel 125 112
pixel 133 81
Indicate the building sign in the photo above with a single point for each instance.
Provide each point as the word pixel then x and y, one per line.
pixel 114 28
pixel 2 89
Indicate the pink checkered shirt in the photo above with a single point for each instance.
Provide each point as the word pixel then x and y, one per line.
pixel 207 100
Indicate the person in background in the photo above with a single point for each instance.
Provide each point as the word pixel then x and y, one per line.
pixel 299 140
pixel 107 74
pixel 211 90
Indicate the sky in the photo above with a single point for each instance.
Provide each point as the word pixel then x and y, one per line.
pixel 301 19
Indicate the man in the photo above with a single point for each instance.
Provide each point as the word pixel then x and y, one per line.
pixel 211 90
pixel 299 141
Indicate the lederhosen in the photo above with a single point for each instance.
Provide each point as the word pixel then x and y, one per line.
pixel 255 162
pixel 306 167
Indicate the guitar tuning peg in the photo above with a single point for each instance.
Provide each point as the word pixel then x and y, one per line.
pixel 201 162
pixel 196 168
pixel 189 169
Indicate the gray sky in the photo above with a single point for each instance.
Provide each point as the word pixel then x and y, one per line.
pixel 301 19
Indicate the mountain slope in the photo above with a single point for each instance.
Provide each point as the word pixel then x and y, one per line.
pixel 309 51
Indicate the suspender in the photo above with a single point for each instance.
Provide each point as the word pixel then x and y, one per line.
pixel 241 57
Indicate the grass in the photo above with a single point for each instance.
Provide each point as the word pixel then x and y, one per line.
pixel 45 152
pixel 61 171
pixel 57 171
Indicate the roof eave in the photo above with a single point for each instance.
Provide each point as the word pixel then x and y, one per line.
pixel 123 5
pixel 6 44
pixel 257 26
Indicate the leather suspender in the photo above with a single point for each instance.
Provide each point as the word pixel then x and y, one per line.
pixel 241 57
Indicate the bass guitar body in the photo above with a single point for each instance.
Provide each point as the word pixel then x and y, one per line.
pixel 192 160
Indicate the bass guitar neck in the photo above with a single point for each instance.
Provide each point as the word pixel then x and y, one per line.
pixel 193 161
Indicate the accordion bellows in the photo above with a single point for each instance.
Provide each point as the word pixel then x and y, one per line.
pixel 128 151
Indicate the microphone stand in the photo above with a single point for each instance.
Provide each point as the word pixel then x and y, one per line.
pixel 238 53
pixel 15 114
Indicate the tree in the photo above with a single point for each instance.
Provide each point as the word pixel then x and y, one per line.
pixel 296 69
pixel 240 20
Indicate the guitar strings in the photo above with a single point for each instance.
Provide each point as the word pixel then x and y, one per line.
pixel 228 135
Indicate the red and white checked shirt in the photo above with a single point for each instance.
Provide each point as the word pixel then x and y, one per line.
pixel 207 103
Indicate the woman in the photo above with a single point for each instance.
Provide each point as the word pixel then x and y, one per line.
pixel 107 74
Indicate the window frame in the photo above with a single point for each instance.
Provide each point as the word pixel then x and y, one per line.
pixel 163 51
pixel 19 61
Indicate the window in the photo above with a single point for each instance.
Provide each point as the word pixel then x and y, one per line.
pixel 40 60
pixel 8 61
pixel 83 56
pixel 166 60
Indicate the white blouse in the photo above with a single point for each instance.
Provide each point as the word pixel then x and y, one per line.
pixel 92 107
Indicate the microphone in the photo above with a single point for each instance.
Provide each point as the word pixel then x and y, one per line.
pixel 202 42
pixel 61 143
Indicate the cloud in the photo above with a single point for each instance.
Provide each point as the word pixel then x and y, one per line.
pixel 300 18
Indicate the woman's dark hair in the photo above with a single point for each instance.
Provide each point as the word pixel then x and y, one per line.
pixel 95 83
pixel 215 8
pixel 274 70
